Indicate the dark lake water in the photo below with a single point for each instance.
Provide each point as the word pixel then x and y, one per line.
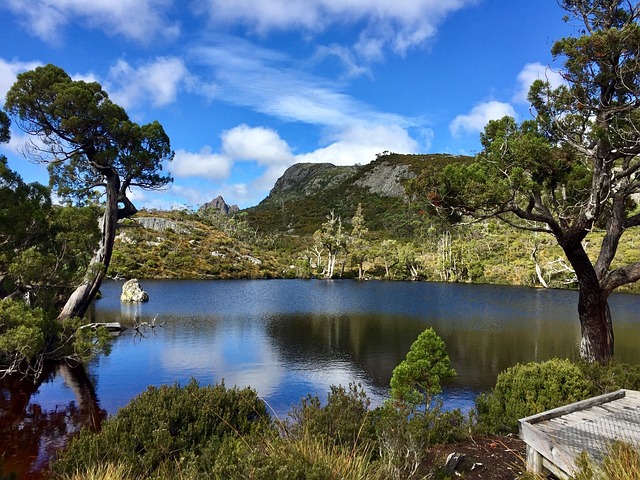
pixel 288 338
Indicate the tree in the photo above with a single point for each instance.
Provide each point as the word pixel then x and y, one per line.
pixel 420 375
pixel 332 237
pixel 359 242
pixel 89 143
pixel 388 251
pixel 572 169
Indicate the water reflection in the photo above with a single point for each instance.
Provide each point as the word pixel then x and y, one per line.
pixel 290 338
pixel 32 431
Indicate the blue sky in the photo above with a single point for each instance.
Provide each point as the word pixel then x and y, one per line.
pixel 246 88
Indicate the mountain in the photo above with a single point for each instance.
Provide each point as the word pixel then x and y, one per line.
pixel 218 204
pixel 307 192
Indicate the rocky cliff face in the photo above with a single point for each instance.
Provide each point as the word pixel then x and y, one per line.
pixel 218 204
pixel 310 179
pixel 160 224
pixel 385 179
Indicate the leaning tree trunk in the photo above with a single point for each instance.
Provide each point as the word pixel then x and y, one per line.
pixel 81 298
pixel 596 328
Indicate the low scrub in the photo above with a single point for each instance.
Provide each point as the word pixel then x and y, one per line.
pixel 622 462
pixel 169 429
pixel 197 432
pixel 527 389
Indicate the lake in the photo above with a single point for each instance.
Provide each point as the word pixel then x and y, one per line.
pixel 288 338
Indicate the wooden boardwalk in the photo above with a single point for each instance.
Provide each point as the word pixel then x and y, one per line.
pixel 556 437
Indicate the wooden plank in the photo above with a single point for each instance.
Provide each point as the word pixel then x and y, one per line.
pixel 559 435
pixel 545 445
pixel 572 407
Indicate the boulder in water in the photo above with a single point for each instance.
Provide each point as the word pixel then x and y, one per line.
pixel 133 292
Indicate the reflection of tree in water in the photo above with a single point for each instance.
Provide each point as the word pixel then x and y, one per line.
pixel 374 344
pixel 30 434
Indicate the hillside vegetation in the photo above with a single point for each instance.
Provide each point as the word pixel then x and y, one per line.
pixel 309 216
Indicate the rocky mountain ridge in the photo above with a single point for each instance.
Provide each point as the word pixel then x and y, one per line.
pixel 218 204
pixel 303 196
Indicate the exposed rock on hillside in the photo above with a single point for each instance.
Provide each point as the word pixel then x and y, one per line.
pixel 310 179
pixel 160 224
pixel 218 204
pixel 386 179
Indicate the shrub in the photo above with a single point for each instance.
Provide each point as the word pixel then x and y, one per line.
pixel 413 420
pixel 404 433
pixel 344 420
pixel 420 375
pixel 168 428
pixel 611 377
pixel 303 457
pixel 527 389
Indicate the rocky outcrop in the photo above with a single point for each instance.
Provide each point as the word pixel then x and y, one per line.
pixel 160 224
pixel 133 292
pixel 307 179
pixel 219 205
pixel 386 179
pixel 311 178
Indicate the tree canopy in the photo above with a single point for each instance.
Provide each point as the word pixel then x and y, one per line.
pixel 91 147
pixel 573 168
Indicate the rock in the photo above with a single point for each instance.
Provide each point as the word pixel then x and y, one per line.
pixel 219 205
pixel 133 292
pixel 386 179
pixel 307 179
pixel 160 224
pixel 453 461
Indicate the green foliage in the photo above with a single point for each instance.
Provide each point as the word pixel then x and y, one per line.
pixel 193 249
pixel 23 333
pixel 404 434
pixel 29 336
pixel 622 462
pixel 527 389
pixel 344 420
pixel 610 377
pixel 303 456
pixel 169 429
pixel 419 377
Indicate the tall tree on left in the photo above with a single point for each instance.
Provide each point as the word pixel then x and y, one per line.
pixel 90 146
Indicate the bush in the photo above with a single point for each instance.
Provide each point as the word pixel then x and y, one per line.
pixel 611 377
pixel 527 389
pixel 413 419
pixel 344 420
pixel 168 429
pixel 405 432
pixel 301 457
pixel 420 375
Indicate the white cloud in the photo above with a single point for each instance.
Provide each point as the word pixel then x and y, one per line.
pixel 356 144
pixel 140 20
pixel 399 25
pixel 156 82
pixel 532 72
pixel 204 164
pixel 360 144
pixel 260 144
pixel 475 121
pixel 345 56
pixel 271 83
pixel 8 73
